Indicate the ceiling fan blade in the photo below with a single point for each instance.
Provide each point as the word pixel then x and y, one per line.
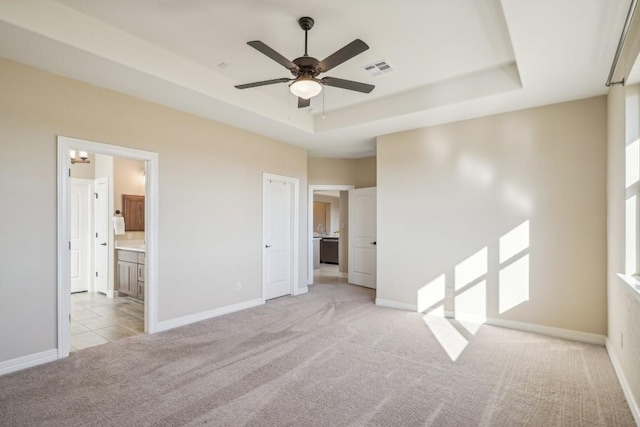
pixel 347 84
pixel 354 48
pixel 263 48
pixel 262 83
pixel 303 103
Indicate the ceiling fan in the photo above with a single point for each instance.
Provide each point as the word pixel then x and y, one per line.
pixel 305 85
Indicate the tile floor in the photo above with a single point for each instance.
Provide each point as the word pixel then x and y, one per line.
pixel 96 319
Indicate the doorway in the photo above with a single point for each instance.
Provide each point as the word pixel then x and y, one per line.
pixel 332 234
pixel 149 269
pixel 102 308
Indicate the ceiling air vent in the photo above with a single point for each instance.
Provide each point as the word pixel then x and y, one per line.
pixel 378 67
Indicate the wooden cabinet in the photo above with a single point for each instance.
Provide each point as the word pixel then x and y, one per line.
pixel 130 273
pixel 329 250
pixel 133 212
pixel 140 277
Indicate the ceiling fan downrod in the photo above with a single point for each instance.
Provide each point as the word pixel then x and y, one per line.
pixel 306 23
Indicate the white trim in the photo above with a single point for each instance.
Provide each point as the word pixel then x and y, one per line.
pixel 567 334
pixel 509 324
pixel 312 188
pixel 111 293
pixel 633 285
pixel 151 233
pixel 295 246
pixel 628 394
pixel 209 314
pixel 28 361
pixel 395 304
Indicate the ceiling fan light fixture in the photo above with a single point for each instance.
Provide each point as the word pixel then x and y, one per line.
pixel 305 88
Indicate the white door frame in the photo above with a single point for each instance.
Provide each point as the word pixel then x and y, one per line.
pixel 110 293
pixel 312 188
pixel 295 241
pixel 151 232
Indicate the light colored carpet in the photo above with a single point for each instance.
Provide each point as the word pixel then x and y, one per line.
pixel 328 358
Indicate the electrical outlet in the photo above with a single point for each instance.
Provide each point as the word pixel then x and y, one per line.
pixel 239 286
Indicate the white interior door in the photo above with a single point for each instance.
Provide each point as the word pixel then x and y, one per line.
pixel 102 234
pixel 277 239
pixel 362 237
pixel 80 234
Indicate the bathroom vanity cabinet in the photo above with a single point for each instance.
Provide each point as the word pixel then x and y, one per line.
pixel 130 274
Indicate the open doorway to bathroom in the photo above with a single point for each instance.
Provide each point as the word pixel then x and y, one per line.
pixel 107 195
pixel 108 296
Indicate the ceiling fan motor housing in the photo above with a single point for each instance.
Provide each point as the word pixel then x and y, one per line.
pixel 307 67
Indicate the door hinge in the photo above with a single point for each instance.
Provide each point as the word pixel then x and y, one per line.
pixel 96 235
pixel 69 172
pixel 96 195
pixel 96 274
pixel 69 245
pixel 69 317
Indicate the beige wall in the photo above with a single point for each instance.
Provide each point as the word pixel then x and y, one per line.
pixel 210 199
pixel 358 172
pixel 624 308
pixel 449 193
pixel 128 179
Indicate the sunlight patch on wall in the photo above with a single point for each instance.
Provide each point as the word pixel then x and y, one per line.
pixel 631 236
pixel 632 163
pixel 471 305
pixel 452 341
pixel 514 242
pixel 432 293
pixel 471 269
pixel 513 278
pixel 513 284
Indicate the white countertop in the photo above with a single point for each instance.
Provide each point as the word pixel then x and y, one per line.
pixel 131 245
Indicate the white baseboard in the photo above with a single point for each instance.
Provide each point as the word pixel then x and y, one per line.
pixel 28 361
pixel 510 324
pixel 111 294
pixel 549 330
pixel 395 304
pixel 165 325
pixel 628 394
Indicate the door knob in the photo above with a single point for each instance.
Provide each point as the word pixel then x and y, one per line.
pixel 373 243
pixel 103 244
pixel 267 246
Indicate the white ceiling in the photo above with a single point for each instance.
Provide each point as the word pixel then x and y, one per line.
pixel 452 59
